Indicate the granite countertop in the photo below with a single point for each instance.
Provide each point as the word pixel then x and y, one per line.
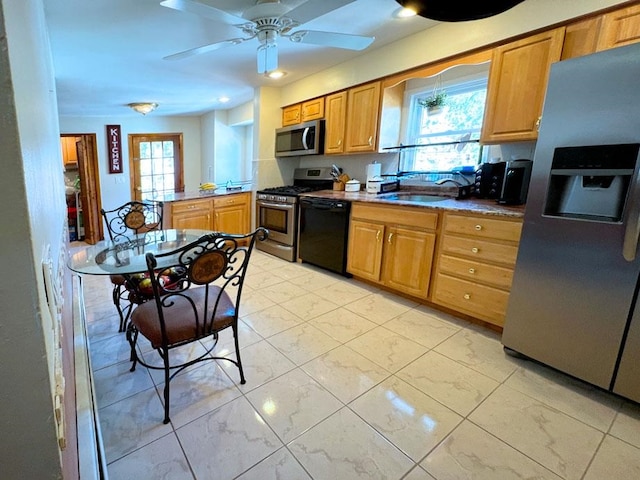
pixel 470 205
pixel 179 196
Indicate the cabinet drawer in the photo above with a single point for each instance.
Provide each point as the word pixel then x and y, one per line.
pixel 478 249
pixel 229 200
pixel 483 227
pixel 189 205
pixel 411 217
pixel 480 301
pixel 500 277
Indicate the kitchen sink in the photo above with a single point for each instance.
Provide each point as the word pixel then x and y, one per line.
pixel 414 197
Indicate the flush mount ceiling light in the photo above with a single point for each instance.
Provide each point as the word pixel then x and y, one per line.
pixel 275 74
pixel 267 21
pixel 404 12
pixel 458 11
pixel 143 108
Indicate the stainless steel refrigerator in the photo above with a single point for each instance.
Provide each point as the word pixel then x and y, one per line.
pixel 573 304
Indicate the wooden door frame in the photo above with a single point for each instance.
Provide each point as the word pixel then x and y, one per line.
pixel 89 172
pixel 134 164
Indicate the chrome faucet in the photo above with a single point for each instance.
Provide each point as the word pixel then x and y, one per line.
pixel 445 180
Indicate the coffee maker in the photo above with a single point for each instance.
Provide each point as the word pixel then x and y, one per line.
pixel 489 177
pixel 515 184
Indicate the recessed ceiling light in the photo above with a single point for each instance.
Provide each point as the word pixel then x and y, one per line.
pixel 223 99
pixel 275 74
pixel 404 12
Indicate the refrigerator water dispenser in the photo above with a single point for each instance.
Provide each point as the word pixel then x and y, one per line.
pixel 591 182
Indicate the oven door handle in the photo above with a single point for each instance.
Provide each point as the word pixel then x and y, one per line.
pixel 286 206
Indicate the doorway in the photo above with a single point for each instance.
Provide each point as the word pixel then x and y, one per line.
pixel 80 158
pixel 155 165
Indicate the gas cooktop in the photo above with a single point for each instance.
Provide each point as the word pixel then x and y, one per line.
pixel 290 190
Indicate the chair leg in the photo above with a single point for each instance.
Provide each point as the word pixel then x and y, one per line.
pixel 132 338
pixel 165 357
pixel 235 339
pixel 117 295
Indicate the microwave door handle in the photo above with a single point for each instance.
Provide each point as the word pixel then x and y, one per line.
pixel 632 223
pixel 304 138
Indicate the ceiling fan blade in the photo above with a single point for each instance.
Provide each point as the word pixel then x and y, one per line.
pixel 202 9
pixel 332 39
pixel 314 9
pixel 267 57
pixel 205 48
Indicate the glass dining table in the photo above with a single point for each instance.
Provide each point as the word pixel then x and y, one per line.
pixel 129 257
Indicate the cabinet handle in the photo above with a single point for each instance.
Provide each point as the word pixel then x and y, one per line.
pixel 538 123
pixel 467 296
pixel 208 217
pixel 472 271
pixel 475 250
pixel 390 237
pixel 191 206
pixel 339 142
pixel 370 141
pixel 378 236
pixel 478 227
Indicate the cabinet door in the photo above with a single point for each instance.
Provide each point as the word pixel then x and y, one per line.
pixel 336 115
pixel 363 104
pixel 192 214
pixel 231 220
pixel 232 214
pixel 619 28
pixel 291 115
pixel 581 38
pixel 313 109
pixel 517 86
pixel 408 260
pixel 364 256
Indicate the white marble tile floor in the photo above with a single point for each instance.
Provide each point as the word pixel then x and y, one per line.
pixel 345 381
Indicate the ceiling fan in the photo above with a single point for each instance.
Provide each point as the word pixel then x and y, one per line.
pixel 267 20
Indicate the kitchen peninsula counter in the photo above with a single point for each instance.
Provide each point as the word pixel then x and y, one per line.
pixel 195 195
pixel 467 205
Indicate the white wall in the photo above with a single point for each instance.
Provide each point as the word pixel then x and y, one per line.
pixel 441 41
pixel 33 213
pixel 115 188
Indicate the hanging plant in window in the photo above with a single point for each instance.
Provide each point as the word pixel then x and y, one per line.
pixel 434 102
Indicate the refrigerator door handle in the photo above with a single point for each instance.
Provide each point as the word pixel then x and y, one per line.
pixel 632 224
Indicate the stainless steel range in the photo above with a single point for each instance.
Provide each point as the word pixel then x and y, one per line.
pixel 277 210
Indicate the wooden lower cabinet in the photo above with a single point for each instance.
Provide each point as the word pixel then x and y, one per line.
pixel 224 213
pixel 232 213
pixel 474 268
pixel 190 214
pixel 395 253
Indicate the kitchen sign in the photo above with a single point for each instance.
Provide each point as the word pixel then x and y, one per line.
pixel 114 147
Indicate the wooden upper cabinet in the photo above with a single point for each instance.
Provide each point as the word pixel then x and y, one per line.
pixel 312 109
pixel 336 116
pixel 291 115
pixel 581 38
pixel 517 85
pixel 303 112
pixel 620 27
pixel 363 105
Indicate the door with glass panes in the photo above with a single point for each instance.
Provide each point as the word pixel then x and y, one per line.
pixel 155 165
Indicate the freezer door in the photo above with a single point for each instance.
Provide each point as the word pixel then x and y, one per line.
pixel 627 381
pixel 573 288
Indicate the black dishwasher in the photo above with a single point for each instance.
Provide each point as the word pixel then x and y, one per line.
pixel 324 230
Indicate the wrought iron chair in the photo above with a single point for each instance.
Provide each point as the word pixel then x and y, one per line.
pixel 199 304
pixel 123 223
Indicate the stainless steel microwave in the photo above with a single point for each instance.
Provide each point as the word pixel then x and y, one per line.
pixel 301 139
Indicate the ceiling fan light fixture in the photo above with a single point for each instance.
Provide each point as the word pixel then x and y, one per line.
pixel 143 107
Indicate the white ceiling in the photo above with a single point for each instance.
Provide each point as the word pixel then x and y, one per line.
pixel 108 53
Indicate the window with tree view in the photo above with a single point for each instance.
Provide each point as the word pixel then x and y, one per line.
pixel 448 135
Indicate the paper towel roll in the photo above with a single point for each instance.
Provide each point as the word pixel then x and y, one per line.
pixel 373 170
